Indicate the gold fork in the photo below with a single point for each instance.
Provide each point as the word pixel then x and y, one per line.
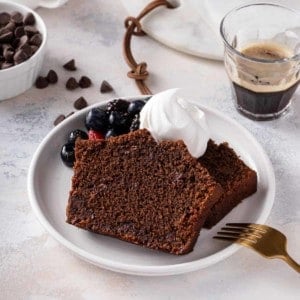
pixel 265 240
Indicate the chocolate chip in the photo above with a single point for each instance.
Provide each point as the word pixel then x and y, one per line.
pixel 6 37
pixel 59 119
pixel 29 19
pixel 80 103
pixel 8 54
pixel 52 77
pixel 30 30
pixel 4 18
pixel 69 114
pixel 85 82
pixel 6 65
pixel 36 39
pixel 105 87
pixel 18 40
pixel 17 17
pixel 11 26
pixel 27 50
pixel 72 84
pixel 41 82
pixel 70 65
pixel 15 43
pixel 19 31
pixel 20 56
pixel 23 40
pixel 4 30
pixel 34 49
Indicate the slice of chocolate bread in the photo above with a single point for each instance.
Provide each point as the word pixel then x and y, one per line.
pixel 237 180
pixel 134 189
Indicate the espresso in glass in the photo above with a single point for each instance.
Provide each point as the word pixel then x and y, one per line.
pixel 262 60
pixel 258 95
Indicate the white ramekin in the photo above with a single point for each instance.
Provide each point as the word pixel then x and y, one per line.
pixel 17 79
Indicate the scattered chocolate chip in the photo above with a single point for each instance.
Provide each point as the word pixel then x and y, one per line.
pixel 70 65
pixel 17 17
pixel 29 19
pixel 59 119
pixel 6 37
pixel 4 18
pixel 19 31
pixel 30 30
pixel 41 82
pixel 36 39
pixel 85 82
pixel 72 84
pixel 52 77
pixel 105 87
pixel 70 114
pixel 6 65
pixel 80 103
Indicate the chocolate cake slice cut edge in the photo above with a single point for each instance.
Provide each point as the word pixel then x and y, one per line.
pixel 237 179
pixel 131 188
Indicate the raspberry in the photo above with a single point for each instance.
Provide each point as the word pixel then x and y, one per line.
pixel 95 135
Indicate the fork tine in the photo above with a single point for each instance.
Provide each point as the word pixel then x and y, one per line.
pixel 225 238
pixel 243 231
pixel 258 227
pixel 242 241
pixel 250 237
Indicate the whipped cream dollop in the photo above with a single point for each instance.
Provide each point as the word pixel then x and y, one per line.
pixel 169 117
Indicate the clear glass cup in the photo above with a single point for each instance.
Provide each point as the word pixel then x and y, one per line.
pixel 262 58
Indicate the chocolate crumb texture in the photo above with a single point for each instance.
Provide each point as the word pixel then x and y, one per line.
pixel 105 87
pixel 70 65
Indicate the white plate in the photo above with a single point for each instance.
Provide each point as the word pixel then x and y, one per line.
pixel 49 182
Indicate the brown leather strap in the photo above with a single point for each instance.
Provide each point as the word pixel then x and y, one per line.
pixel 133 25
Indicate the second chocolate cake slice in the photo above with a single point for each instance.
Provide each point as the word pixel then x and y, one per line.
pixel 236 178
pixel 132 188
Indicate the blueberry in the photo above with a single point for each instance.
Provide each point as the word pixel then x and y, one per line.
pixel 118 119
pixel 97 119
pixel 117 105
pixel 135 124
pixel 111 132
pixel 77 133
pixel 67 154
pixel 135 107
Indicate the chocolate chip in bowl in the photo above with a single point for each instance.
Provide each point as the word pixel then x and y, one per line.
pixel 23 38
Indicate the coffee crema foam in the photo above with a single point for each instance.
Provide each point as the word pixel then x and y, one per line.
pixel 268 76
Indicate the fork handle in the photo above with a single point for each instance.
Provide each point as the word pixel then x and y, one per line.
pixel 291 262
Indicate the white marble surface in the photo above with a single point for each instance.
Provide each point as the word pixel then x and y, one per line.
pixel 33 265
pixel 193 26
